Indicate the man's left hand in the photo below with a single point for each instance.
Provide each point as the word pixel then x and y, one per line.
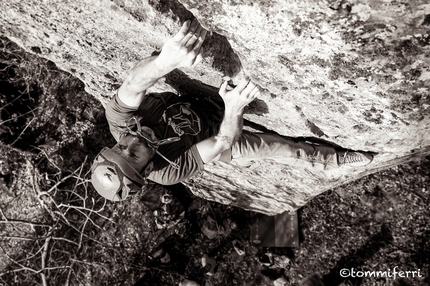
pixel 237 99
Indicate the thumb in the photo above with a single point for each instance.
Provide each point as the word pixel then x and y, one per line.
pixel 198 58
pixel 223 88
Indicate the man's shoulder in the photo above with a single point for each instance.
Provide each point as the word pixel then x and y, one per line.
pixel 116 106
pixel 164 96
pixel 189 162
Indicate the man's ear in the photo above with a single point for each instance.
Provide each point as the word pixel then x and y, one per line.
pixel 148 169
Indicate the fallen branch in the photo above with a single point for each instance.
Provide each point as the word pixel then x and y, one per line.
pixel 16 262
pixel 39 194
pixel 32 224
pixel 34 271
pixel 37 238
pixel 17 238
pixel 25 268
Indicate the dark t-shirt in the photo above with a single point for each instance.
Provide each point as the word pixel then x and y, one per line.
pixel 168 116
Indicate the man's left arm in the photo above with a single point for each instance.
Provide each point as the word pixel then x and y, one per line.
pixel 230 129
pixel 183 50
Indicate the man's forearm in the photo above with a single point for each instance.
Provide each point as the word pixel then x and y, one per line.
pixel 144 74
pixel 228 134
pixel 229 131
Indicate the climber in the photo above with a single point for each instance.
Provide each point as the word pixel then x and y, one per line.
pixel 163 139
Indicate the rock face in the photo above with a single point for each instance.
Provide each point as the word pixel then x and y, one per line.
pixel 353 73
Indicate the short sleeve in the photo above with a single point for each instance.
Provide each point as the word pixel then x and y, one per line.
pixel 117 112
pixel 190 164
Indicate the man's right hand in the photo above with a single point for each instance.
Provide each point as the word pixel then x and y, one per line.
pixel 185 48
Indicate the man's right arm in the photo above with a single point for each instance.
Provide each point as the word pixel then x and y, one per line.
pixel 183 50
pixel 231 126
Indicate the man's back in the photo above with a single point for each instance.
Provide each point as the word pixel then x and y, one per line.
pixel 169 116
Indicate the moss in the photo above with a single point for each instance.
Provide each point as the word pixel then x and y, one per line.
pixel 412 74
pixel 326 95
pixel 408 47
pixel 424 40
pixel 342 67
pixel 343 108
pixel 36 50
pixel 361 128
pixel 299 26
pixel 416 116
pixel 314 129
pixel 320 62
pixel 373 115
pixel 318 84
pixel 287 63
pixel 426 21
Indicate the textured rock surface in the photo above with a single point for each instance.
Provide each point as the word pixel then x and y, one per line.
pixel 354 73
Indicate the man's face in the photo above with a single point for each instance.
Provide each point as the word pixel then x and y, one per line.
pixel 135 150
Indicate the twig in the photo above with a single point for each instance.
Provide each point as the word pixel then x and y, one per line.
pixel 75 193
pixel 91 264
pixel 42 202
pixel 68 275
pixel 43 257
pixel 22 132
pixel 65 239
pixel 35 238
pixel 57 184
pixel 9 103
pixel 89 237
pixel 21 115
pixel 77 208
pixel 25 268
pixel 80 170
pixel 2 213
pixel 82 234
pixel 47 157
pixel 82 210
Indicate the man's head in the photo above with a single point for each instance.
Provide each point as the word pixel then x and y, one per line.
pixel 135 149
pixel 116 172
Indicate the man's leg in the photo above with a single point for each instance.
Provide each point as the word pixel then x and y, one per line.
pixel 251 146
